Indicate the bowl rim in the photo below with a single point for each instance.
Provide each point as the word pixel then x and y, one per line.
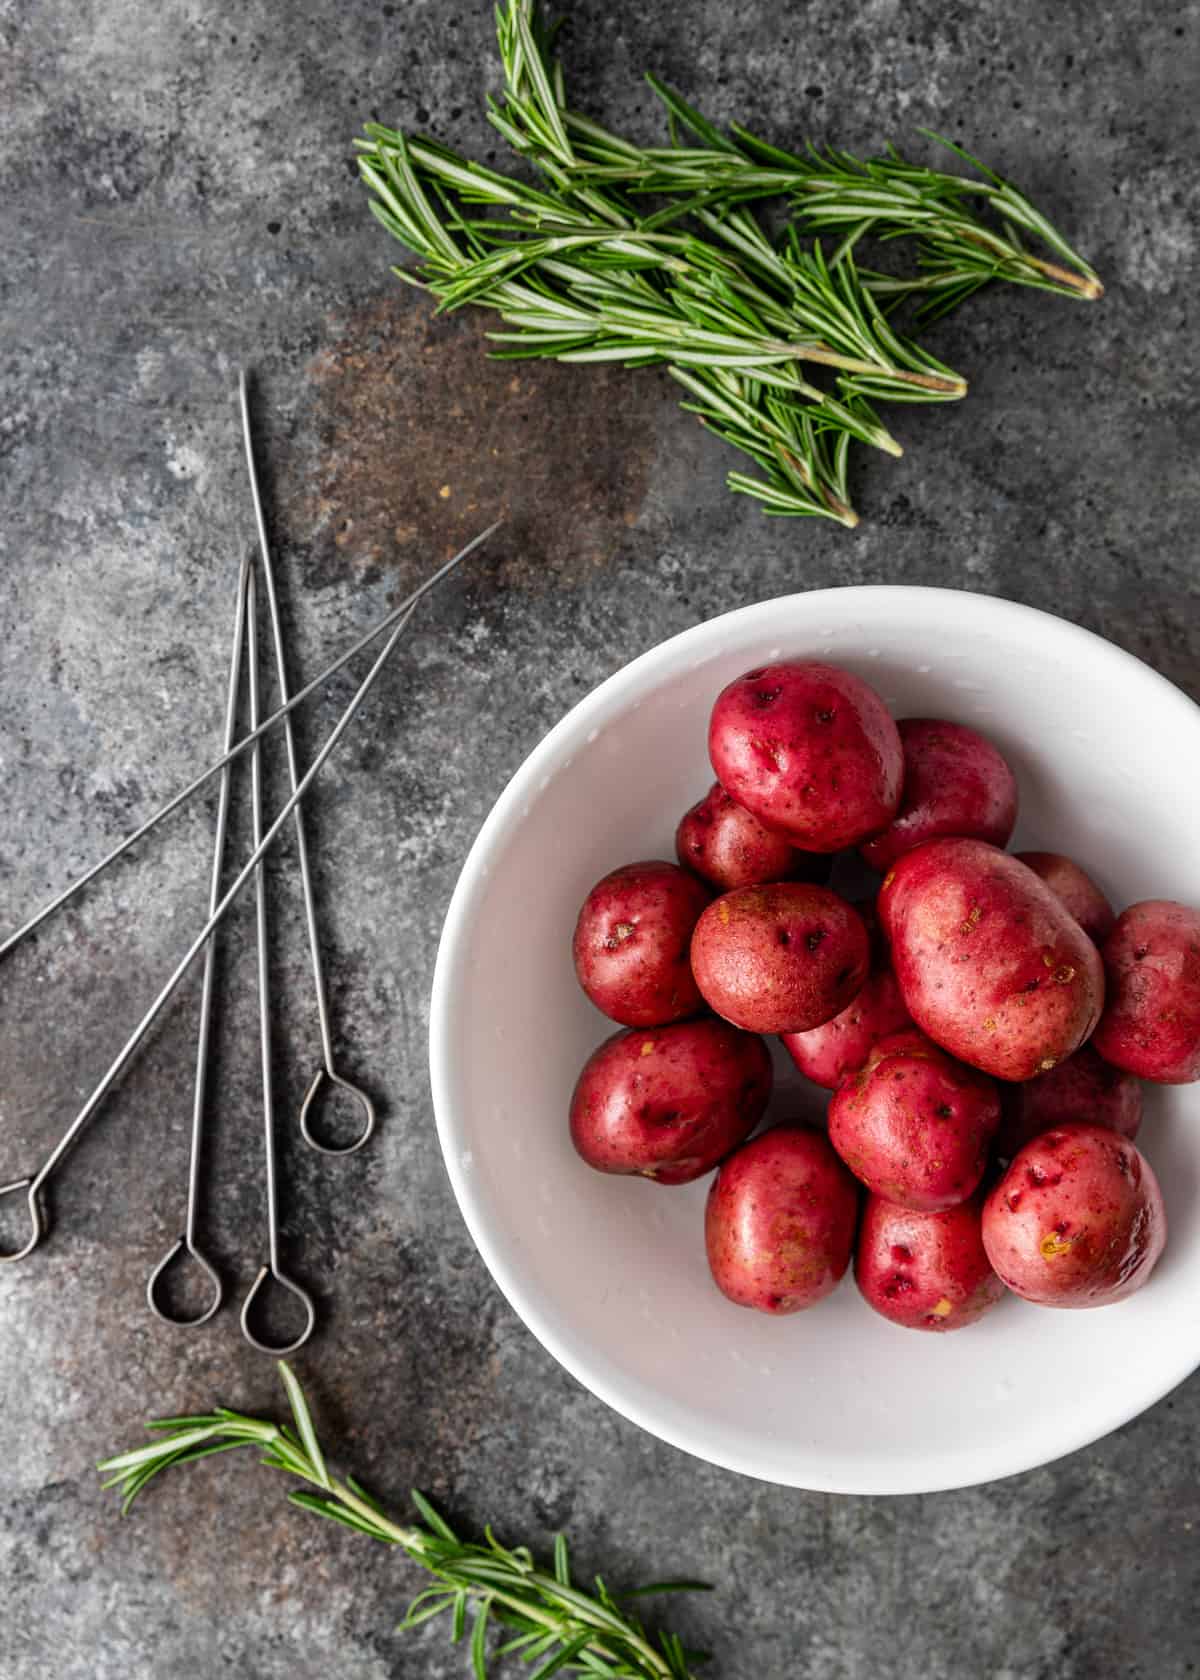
pixel 703 639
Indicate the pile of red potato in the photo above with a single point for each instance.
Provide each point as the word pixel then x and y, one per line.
pixel 983 1024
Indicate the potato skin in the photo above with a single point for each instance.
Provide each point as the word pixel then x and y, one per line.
pixel 669 1103
pixel 914 1125
pixel 1077 890
pixel 631 944
pixel 782 957
pixel 990 963
pixel 810 750
pixel 956 783
pixel 1084 1087
pixel 779 1221
pixel 830 1054
pixel 1151 1022
pixel 727 847
pixel 925 1271
pixel 1077 1220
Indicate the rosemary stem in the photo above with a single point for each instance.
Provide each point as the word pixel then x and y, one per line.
pixel 411 1539
pixel 415 1542
pixel 850 364
pixel 1087 285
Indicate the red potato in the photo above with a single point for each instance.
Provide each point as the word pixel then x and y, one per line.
pixel 1084 1087
pixel 1151 1022
pixel 632 941
pixel 1077 1220
pixel 914 1125
pixel 827 1055
pixel 1077 890
pixel 670 1103
pixel 779 1222
pixel 810 750
pixel 780 958
pixel 955 783
pixel 990 963
pixel 925 1271
pixel 729 848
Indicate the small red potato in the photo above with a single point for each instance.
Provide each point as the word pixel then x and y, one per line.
pixel 1151 1022
pixel 955 783
pixel 779 1222
pixel 925 1271
pixel 1077 890
pixel 780 958
pixel 914 1125
pixel 990 963
pixel 1077 1220
pixel 1084 1087
pixel 827 1055
pixel 810 750
pixel 632 941
pixel 670 1103
pixel 729 848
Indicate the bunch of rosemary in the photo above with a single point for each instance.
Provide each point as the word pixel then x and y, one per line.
pixel 582 268
pixel 542 1617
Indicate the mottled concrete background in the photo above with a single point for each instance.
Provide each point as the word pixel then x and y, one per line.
pixel 176 196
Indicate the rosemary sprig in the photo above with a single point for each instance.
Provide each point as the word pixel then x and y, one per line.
pixel 632 293
pixel 579 271
pixel 733 319
pixel 577 291
pixel 544 1618
pixel 577 274
pixel 829 190
pixel 888 197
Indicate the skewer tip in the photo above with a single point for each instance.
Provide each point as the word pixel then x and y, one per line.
pixel 468 548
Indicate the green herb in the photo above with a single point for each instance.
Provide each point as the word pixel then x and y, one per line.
pixel 733 319
pixel 578 270
pixel 829 191
pixel 541 1616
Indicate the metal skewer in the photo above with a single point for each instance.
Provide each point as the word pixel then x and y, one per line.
pixel 272 1269
pixel 35 1185
pixel 327 1074
pixel 204 1031
pixel 399 615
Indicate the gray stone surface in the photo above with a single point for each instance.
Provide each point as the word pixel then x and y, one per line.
pixel 177 197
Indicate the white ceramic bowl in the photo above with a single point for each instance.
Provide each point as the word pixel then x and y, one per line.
pixel 610 1273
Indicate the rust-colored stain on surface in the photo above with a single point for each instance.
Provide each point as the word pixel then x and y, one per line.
pixel 422 439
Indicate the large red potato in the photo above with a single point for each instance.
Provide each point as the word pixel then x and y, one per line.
pixel 955 783
pixel 1084 1087
pixel 670 1103
pixel 914 1125
pixel 827 1055
pixel 990 963
pixel 632 941
pixel 1151 1021
pixel 925 1271
pixel 1077 890
pixel 780 958
pixel 810 750
pixel 779 1222
pixel 1077 1220
pixel 729 848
